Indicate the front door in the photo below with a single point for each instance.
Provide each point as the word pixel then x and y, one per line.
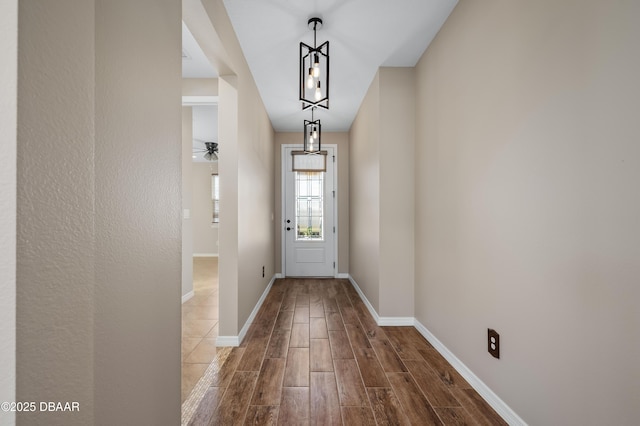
pixel 309 234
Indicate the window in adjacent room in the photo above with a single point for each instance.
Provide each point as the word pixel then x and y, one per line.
pixel 215 197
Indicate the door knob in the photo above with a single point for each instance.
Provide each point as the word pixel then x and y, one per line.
pixel 288 221
pixel 288 229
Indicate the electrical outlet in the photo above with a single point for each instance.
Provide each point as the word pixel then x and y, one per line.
pixel 263 272
pixel 493 343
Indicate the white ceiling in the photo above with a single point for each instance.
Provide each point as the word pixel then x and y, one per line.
pixel 194 62
pixel 363 35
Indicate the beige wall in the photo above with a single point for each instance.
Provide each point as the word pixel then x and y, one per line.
pixel 364 188
pixel 527 203
pixel 382 148
pixel 187 200
pixel 138 200
pixel 246 167
pixel 199 87
pixel 342 142
pixel 8 127
pixel 98 216
pixel 397 182
pixel 205 235
pixel 56 265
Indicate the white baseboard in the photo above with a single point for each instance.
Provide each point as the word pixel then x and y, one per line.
pixel 372 311
pixel 205 254
pixel 236 340
pixel 342 276
pixel 396 321
pixel 487 394
pixel 279 275
pixel 187 296
pixel 492 399
pixel 227 341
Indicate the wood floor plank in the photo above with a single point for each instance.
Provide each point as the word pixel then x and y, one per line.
pixel 262 415
pixel 208 405
pixel 325 404
pixel 315 293
pixel 294 407
pixel 454 416
pixel 259 330
pixel 387 356
pixel 349 315
pixel 330 304
pixel 284 321
pixel 316 309
pixel 478 408
pixel 253 354
pixel 279 344
pixel 296 372
pixel 302 300
pixel 340 346
pixel 342 300
pixel 320 355
pixel 369 325
pixel 414 404
pixel 234 404
pixel 370 369
pixel 301 315
pixel 445 371
pixel 357 416
pixel 334 321
pixel 386 407
pixel 288 303
pixel 224 375
pixel 269 384
pixel 432 387
pixel 418 341
pixel 299 336
pixel 403 346
pixel 357 337
pixel 350 388
pixel 318 328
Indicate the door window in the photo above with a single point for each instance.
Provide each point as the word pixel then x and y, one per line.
pixel 309 202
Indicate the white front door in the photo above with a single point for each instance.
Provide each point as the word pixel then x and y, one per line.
pixel 309 232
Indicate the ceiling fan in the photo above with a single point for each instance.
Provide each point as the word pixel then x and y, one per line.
pixel 210 150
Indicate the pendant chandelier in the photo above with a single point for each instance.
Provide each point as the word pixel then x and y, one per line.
pixel 314 71
pixel 312 135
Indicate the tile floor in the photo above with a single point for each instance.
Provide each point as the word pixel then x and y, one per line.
pixel 199 323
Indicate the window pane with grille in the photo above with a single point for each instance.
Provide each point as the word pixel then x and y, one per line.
pixel 309 191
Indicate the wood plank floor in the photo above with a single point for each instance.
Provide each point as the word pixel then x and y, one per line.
pixel 315 356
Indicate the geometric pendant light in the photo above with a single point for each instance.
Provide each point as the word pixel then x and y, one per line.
pixel 314 71
pixel 312 135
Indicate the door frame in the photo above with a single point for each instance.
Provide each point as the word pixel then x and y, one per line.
pixel 283 198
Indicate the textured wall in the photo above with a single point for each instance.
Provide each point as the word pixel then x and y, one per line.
pixel 55 226
pixel 138 212
pixel 528 203
pixel 8 162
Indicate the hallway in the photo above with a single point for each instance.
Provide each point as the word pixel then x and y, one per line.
pixel 314 355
